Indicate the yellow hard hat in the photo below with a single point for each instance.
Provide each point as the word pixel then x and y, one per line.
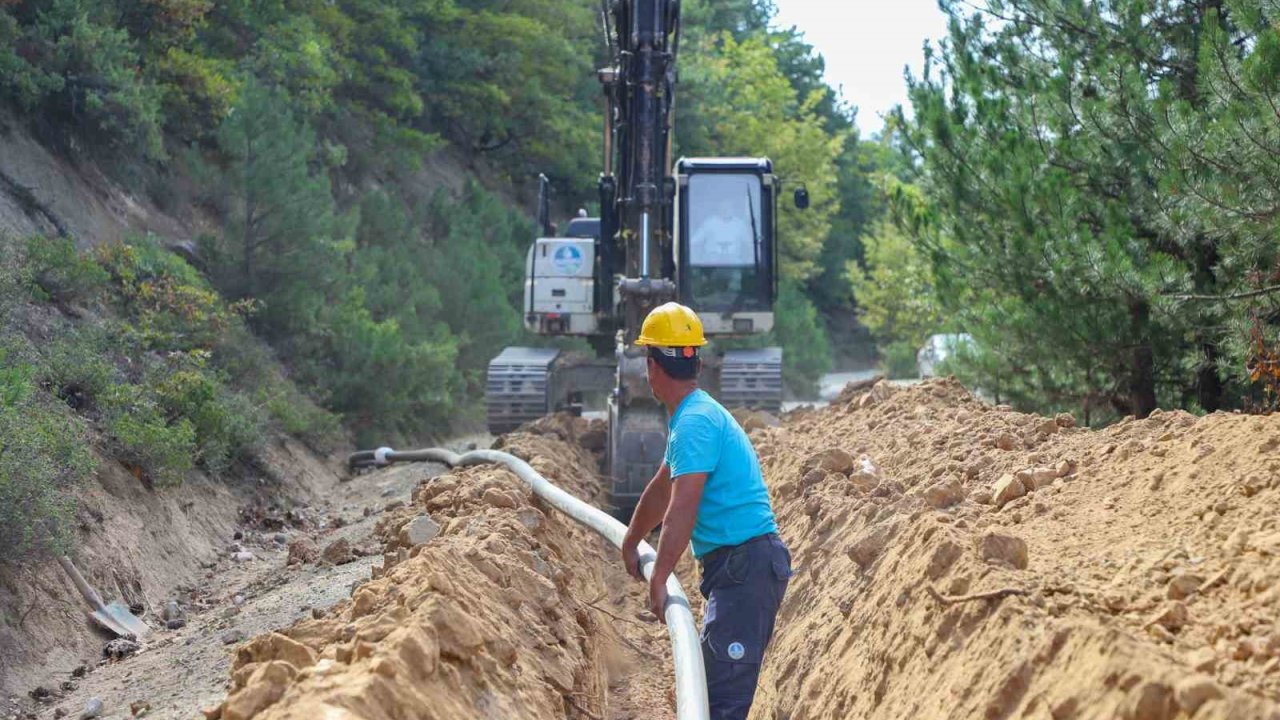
pixel 672 325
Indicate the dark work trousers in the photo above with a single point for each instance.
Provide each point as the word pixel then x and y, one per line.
pixel 743 586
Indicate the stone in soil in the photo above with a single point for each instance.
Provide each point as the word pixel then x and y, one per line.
pixel 1195 691
pixel 302 551
pixel 418 531
pixel 92 709
pixel 120 648
pixel 1182 586
pixel 943 495
pixel 831 460
pixel 1004 549
pixel 339 552
pixel 1007 489
pixel 498 498
pixel 172 611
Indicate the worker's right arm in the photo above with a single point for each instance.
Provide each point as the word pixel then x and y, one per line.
pixel 648 514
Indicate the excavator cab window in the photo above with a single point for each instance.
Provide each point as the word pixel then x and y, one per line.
pixel 727 256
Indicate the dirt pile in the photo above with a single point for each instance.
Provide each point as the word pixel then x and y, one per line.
pixel 487 604
pixel 961 560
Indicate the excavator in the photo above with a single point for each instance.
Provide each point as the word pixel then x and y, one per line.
pixel 700 231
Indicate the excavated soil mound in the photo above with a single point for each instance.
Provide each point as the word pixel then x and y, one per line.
pixel 957 560
pixel 482 608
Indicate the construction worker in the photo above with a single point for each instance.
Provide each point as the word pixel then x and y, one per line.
pixel 709 490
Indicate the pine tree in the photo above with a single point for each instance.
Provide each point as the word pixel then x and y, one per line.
pixel 1039 128
pixel 284 242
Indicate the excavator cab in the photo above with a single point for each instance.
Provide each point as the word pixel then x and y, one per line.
pixel 726 254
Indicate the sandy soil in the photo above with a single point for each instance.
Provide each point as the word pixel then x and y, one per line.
pixel 959 560
pixel 502 609
pixel 955 560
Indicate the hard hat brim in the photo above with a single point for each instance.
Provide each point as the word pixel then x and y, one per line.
pixel 650 342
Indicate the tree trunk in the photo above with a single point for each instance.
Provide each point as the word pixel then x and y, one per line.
pixel 1209 385
pixel 1142 378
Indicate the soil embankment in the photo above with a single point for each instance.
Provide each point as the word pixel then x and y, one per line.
pixel 959 560
pixel 954 560
pixel 486 604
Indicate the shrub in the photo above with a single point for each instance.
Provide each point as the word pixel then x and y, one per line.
pixel 58 272
pixel 75 367
pixel 227 426
pixel 44 455
pixel 172 306
pixel 155 449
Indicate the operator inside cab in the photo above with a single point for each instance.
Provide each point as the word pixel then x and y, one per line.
pixel 709 491
pixel 726 249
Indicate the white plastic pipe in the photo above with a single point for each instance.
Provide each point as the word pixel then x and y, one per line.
pixel 686 649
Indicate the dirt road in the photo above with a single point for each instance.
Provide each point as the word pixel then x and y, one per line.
pixel 180 671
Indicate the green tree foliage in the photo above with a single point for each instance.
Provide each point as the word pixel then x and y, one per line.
pixel 477 265
pixel 284 240
pixel 1062 147
pixel 748 107
pixel 1219 187
pixel 798 330
pixel 895 296
pixel 69 61
pixel 306 124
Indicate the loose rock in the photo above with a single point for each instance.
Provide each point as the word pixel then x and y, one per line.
pixel 92 708
pixel 1048 427
pixel 1196 691
pixel 943 495
pixel 171 610
pixel 419 530
pixel 1183 585
pixel 302 551
pixel 830 460
pixel 1005 549
pixel 338 552
pixel 1007 489
pixel 120 648
pixel 1041 477
pixel 499 499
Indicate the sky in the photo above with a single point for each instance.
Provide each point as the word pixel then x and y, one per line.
pixel 866 44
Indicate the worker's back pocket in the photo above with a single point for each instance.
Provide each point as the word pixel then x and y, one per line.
pixel 781 559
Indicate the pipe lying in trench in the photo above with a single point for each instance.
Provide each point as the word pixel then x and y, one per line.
pixel 691 679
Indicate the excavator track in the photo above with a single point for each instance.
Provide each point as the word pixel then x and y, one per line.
pixel 752 379
pixel 515 390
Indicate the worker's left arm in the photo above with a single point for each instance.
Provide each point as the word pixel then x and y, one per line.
pixel 677 528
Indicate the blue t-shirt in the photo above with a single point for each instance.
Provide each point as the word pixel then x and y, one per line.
pixel 704 437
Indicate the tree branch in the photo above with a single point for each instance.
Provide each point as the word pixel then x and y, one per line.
pixel 1231 296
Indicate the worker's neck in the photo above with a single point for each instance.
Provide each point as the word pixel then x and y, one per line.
pixel 677 393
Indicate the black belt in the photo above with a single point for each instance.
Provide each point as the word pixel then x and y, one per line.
pixel 729 548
